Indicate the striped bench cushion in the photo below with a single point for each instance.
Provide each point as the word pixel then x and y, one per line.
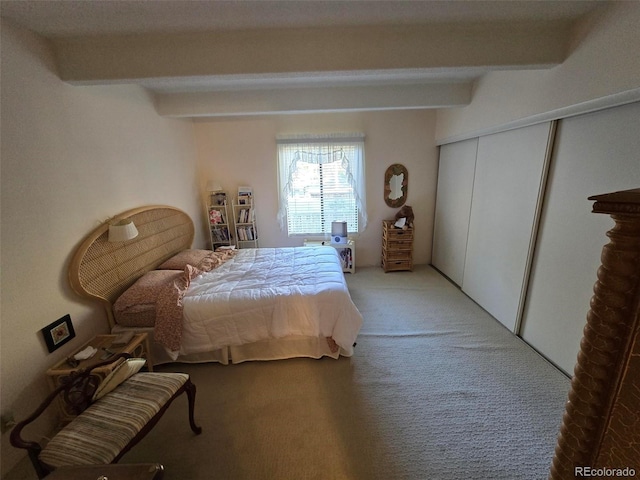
pixel 100 433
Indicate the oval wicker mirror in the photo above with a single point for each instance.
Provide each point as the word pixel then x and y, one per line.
pixel 396 182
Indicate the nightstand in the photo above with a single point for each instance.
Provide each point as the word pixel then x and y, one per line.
pixel 138 346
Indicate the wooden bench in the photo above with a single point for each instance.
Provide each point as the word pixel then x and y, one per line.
pixel 107 428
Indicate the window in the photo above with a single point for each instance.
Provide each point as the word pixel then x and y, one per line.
pixel 321 181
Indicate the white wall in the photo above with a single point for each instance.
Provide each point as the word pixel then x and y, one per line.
pixel 603 62
pixel 71 157
pixel 242 151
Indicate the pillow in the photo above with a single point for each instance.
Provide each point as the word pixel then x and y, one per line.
pixel 123 371
pixel 184 258
pixel 142 316
pixel 136 307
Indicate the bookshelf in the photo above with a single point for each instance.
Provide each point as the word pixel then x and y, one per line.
pixel 218 218
pixel 245 223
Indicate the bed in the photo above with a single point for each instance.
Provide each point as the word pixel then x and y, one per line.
pixel 230 307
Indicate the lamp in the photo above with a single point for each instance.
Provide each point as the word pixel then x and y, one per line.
pixel 122 230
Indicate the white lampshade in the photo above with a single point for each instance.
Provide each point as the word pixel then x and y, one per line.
pixel 122 231
pixel 213 186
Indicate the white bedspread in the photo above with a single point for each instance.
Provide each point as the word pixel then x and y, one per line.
pixel 268 293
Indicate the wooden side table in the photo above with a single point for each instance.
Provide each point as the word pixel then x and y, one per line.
pixel 138 346
pixel 145 471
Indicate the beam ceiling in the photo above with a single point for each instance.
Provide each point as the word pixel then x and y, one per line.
pixel 219 58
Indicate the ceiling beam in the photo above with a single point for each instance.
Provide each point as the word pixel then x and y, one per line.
pixel 130 58
pixel 301 100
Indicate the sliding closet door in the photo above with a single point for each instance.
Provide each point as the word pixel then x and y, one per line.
pixel 504 211
pixel 453 207
pixel 594 153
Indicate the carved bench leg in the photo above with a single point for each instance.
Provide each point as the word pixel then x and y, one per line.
pixel 190 389
pixel 191 395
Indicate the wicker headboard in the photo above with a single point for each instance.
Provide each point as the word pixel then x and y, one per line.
pixel 102 270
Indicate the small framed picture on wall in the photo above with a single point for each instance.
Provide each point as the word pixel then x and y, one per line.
pixel 58 333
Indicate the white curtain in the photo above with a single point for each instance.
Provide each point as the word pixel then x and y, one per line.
pixel 319 149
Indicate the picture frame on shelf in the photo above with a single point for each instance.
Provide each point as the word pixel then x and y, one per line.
pixel 58 333
pixel 219 198
pixel 244 195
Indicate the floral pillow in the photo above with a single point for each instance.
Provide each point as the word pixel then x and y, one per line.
pixel 204 260
pixel 137 306
pixel 184 258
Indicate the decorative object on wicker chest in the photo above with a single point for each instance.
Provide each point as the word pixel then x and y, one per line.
pixel 397 247
pixel 405 212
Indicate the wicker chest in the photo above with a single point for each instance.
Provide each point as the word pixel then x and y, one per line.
pixel 397 247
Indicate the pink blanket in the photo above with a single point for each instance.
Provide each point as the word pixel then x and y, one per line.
pixel 168 327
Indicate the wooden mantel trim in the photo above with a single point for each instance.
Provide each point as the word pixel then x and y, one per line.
pixel 601 424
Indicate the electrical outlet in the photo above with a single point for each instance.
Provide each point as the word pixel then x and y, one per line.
pixel 7 422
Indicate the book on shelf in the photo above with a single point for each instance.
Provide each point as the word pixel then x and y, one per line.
pixel 220 234
pixel 246 234
pixel 244 215
pixel 345 258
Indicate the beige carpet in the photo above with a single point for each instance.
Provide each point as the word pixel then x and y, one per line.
pixel 437 389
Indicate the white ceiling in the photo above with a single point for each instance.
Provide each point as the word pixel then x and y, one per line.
pixel 86 32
